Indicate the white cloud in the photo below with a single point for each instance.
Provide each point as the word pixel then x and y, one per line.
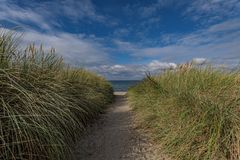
pixel 12 13
pixel 233 24
pixel 45 15
pixel 77 50
pixel 212 10
pixel 157 65
pixel 80 9
pixel 126 46
pixel 219 41
pixel 199 61
pixel 149 10
pixel 121 32
pixel 132 71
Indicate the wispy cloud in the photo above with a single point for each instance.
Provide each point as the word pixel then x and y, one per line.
pixel 212 10
pixel 81 9
pixel 20 16
pixel 121 32
pixel 221 40
pixel 77 50
pixel 140 37
pixel 45 15
pixel 150 10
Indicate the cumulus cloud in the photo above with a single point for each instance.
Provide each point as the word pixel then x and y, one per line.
pixel 115 69
pixel 132 71
pixel 156 65
pixel 199 61
pixel 218 42
pixel 138 71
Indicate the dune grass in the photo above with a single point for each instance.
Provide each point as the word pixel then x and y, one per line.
pixel 44 104
pixel 192 113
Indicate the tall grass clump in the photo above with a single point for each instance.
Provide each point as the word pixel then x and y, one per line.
pixel 44 104
pixel 194 113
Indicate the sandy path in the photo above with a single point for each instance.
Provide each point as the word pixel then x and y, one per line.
pixel 113 137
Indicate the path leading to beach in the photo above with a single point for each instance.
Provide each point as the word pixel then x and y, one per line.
pixel 114 137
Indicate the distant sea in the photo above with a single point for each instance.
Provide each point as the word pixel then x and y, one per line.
pixel 123 85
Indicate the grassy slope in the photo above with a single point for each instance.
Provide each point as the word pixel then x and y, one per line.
pixel 44 105
pixel 192 113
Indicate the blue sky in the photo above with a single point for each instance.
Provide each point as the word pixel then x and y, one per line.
pixel 122 39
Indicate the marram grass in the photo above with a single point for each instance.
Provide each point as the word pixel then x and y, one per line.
pixel 193 113
pixel 44 104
